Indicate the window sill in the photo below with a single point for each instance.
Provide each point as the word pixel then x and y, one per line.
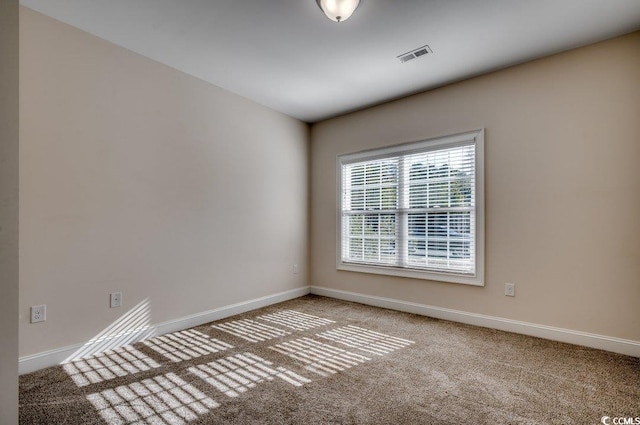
pixel 413 273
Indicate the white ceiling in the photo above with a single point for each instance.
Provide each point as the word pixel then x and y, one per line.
pixel 287 55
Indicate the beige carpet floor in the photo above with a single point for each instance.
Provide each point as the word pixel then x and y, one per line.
pixel 316 360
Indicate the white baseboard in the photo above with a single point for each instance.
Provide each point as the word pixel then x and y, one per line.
pixel 602 342
pixel 56 356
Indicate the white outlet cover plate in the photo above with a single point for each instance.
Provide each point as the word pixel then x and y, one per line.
pixel 510 289
pixel 38 313
pixel 115 299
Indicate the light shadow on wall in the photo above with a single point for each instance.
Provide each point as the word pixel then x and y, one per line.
pixel 133 326
pixel 107 355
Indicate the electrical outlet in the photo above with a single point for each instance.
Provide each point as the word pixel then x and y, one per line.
pixel 115 299
pixel 510 289
pixel 38 313
pixel 295 269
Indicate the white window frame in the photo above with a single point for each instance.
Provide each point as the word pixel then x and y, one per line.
pixel 476 279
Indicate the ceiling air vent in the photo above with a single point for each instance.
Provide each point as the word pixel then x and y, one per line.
pixel 416 53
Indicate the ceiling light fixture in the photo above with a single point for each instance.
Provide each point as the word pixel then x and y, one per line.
pixel 338 10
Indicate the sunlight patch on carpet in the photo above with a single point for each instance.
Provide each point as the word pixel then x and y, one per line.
pixel 164 399
pixel 237 374
pixel 320 358
pixel 295 320
pixel 365 340
pixel 250 330
pixel 110 364
pixel 186 345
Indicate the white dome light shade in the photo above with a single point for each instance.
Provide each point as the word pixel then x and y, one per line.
pixel 338 10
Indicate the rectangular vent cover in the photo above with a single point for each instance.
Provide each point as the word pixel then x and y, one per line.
pixel 416 53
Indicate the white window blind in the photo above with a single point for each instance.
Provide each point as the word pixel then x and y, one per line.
pixel 414 207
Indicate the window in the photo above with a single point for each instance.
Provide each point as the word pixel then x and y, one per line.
pixel 414 210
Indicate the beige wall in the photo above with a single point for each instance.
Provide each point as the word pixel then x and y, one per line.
pixel 9 211
pixel 562 146
pixel 141 179
pixel 138 178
